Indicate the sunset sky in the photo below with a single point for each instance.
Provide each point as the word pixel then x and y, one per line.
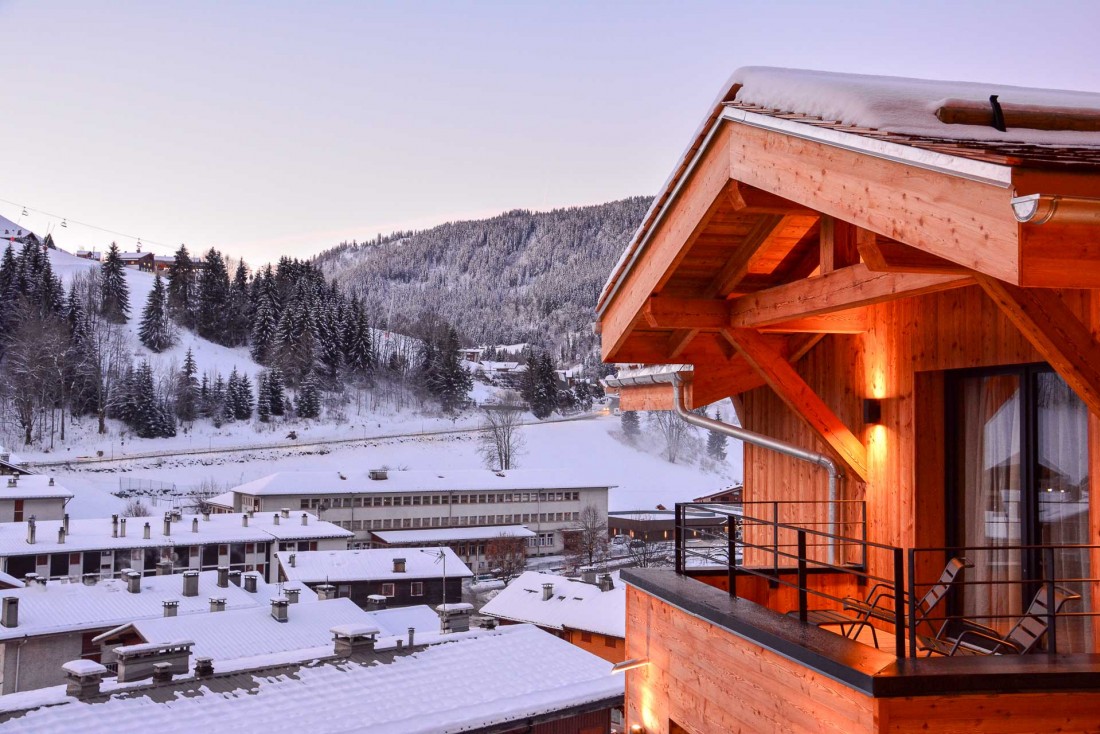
pixel 270 128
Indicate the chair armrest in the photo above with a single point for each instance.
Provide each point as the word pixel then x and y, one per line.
pixel 996 640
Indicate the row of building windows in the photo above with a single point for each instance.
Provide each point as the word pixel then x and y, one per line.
pixel 413 500
pixel 397 523
pixel 416 588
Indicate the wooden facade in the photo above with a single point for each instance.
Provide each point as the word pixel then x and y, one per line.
pixel 805 276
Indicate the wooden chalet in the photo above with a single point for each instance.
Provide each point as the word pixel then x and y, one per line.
pixel 882 279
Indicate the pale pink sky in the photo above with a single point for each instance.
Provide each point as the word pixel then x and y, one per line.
pixel 270 128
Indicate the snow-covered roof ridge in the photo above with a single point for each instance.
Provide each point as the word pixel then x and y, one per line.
pixel 473 682
pixel 360 482
pixel 906 105
pixel 376 564
pixel 572 604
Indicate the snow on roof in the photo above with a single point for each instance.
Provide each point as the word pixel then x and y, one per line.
pixel 68 607
pixel 83 667
pixel 573 605
pixel 370 565
pixel 359 482
pixel 355 629
pixel 470 683
pixel 95 534
pixel 152 646
pixel 444 535
pixel 902 105
pixel 247 633
pixel 134 255
pixel 225 499
pixel 32 486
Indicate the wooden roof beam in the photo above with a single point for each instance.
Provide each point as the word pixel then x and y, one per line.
pixel 1055 331
pixel 700 314
pixel 884 255
pixel 781 376
pixel 840 290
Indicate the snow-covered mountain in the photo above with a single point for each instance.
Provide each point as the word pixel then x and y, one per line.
pixel 519 277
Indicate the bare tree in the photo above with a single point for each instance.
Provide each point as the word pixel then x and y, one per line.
pixel 674 431
pixel 507 556
pixel 136 508
pixel 31 379
pixel 586 542
pixel 645 553
pixel 501 439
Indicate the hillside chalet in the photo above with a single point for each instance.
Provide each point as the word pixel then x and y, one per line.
pixel 903 299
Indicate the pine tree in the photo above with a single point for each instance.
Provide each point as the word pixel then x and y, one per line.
pixel 114 294
pixel 263 397
pixel 451 382
pixel 716 442
pixel 213 300
pixel 265 319
pixel 240 399
pixel 582 393
pixel 545 388
pixel 277 388
pixel 330 342
pixel 296 337
pixel 358 351
pixel 307 402
pixel 149 419
pixel 182 288
pixel 239 314
pixel 155 329
pixel 631 426
pixel 187 389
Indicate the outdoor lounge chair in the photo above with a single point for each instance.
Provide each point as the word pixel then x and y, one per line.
pixel 972 638
pixel 879 604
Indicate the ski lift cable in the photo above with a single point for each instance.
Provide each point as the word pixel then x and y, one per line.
pixel 65 223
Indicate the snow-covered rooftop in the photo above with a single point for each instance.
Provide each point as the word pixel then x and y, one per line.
pixel 573 604
pixel 248 633
pixel 475 681
pixel 67 607
pixel 474 480
pixel 311 567
pixel 32 486
pixel 95 534
pixel 903 105
pixel 446 535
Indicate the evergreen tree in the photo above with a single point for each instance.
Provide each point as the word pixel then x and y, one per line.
pixel 277 389
pixel 330 340
pixel 239 314
pixel 155 329
pixel 263 397
pixel 213 299
pixel 450 381
pixel 307 402
pixel 716 442
pixel 239 396
pixel 582 394
pixel 80 358
pixel 295 336
pixel 148 419
pixel 114 294
pixel 265 318
pixel 216 401
pixel 182 288
pixel 631 426
pixel 358 351
pixel 187 389
pixel 540 386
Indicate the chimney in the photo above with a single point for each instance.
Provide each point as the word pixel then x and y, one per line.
pixel 148 531
pixel 194 525
pixel 162 672
pixel 292 595
pixel 305 519
pixel 412 635
pixel 217 604
pixel 90 579
pixel 51 481
pixel 122 528
pixel 377 474
pixel 399 565
pixel 164 568
pixel 82 678
pixel 291 559
pixel 606 582
pixel 11 481
pixel 589 577
pixel 206 515
pixel 275 518
pixel 279 609
pixel 171 607
pixel 547 592
pixel 250 583
pixel 325 591
pixel 376 602
pixel 454 617
pixel 352 638
pixel 286 512
pixel 190 583
pixel 9 614
pixel 133 582
pixel 64 520
pixel 235 577
pixel 167 524
pixel 223 577
pixel 29 579
pixel 30 530
pixel 244 521
pixel 204 667
pixel 61 536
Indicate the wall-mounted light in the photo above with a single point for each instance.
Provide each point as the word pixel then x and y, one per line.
pixel 637 729
pixel 872 411
pixel 629 665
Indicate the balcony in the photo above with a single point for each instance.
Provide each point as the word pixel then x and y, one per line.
pixel 814 626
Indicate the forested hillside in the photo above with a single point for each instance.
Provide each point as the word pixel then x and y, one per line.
pixel 519 277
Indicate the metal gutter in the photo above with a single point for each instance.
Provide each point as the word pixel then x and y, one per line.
pixel 742 434
pixel 1042 208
